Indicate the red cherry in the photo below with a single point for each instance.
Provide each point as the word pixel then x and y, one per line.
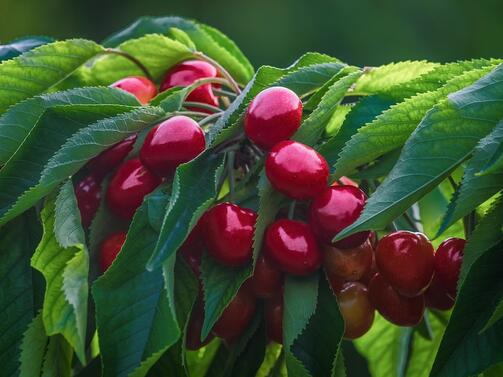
pixel 406 260
pixel 292 246
pixel 356 309
pixel 436 297
pixel 192 249
pixel 273 316
pixel 448 259
pixel 142 88
pixel 296 170
pixel 88 194
pixel 171 143
pixel 398 309
pixel 348 264
pixel 185 73
pixel 236 317
pixel 273 116
pixel 369 274
pixel 110 247
pixel 109 159
pixel 193 336
pixel 345 181
pixel 266 280
pixel 127 188
pixel 333 210
pixel 228 233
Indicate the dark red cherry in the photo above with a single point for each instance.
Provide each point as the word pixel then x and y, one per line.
pixel 110 247
pixel 228 233
pixel 398 309
pixel 406 260
pixel 171 143
pixel 108 160
pixel 236 316
pixel 193 336
pixel 296 170
pixel 356 309
pixel 348 264
pixel 273 316
pixel 291 246
pixel 436 296
pixel 142 88
pixel 273 116
pixel 333 210
pixel 88 194
pixel 127 188
pixel 185 73
pixel 448 259
pixel 266 281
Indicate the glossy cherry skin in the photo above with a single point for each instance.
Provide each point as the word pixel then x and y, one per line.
pixel 333 210
pixel 171 143
pixel 142 88
pixel 273 316
pixel 348 264
pixel 273 116
pixel 398 309
pixel 109 249
pixel 406 260
pixel 448 259
pixel 185 73
pixel 108 160
pixel 356 309
pixel 127 188
pixel 266 281
pixel 88 194
pixel 296 170
pixel 436 296
pixel 193 336
pixel 292 247
pixel 228 233
pixel 236 317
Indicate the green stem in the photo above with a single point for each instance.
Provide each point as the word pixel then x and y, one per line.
pixel 453 183
pixel 222 70
pixel 139 64
pixel 410 221
pixel 291 209
pixel 223 92
pixel 209 119
pixel 204 106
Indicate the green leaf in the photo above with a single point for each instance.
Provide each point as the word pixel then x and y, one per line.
pixel 18 240
pixel 58 358
pixel 22 45
pixel 33 348
pixel 435 149
pixel 182 37
pixel 198 362
pixel 38 70
pixel 495 317
pixel 495 164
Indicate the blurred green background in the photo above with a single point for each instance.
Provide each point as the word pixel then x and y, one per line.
pixel 362 32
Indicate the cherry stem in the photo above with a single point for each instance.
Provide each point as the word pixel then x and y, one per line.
pixel 225 93
pixel 222 70
pixel 204 106
pixel 209 118
pixel 291 209
pixel 469 223
pixel 131 58
pixel 189 114
pixel 453 183
pixel 230 166
pixel 410 222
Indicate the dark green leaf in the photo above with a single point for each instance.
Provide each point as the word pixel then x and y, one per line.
pixel 496 316
pixel 21 45
pixel 33 349
pixel 58 358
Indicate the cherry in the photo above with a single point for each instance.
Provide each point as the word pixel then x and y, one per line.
pixel 345 181
pixel 192 249
pixel 406 260
pixel 142 88
pixel 356 309
pixel 296 170
pixel 448 259
pixel 369 274
pixel 436 297
pixel 109 249
pixel 127 188
pixel 266 280
pixel 398 309
pixel 236 316
pixel 333 210
pixel 348 264
pixel 228 233
pixel 185 74
pixel 273 116
pixel 273 315
pixel 193 336
pixel 292 246
pixel 109 159
pixel 88 194
pixel 171 143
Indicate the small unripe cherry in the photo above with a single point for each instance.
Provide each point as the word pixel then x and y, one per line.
pixel 273 316
pixel 448 259
pixel 228 233
pixel 193 335
pixel 406 260
pixel 127 188
pixel 436 296
pixel 108 160
pixel 266 281
pixel 334 209
pixel 296 170
pixel 356 309
pixel 292 247
pixel 110 248
pixel 273 116
pixel 398 309
pixel 236 316
pixel 88 194
pixel 141 87
pixel 348 264
pixel 171 143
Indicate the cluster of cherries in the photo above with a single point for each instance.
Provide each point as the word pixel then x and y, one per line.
pixel 398 275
